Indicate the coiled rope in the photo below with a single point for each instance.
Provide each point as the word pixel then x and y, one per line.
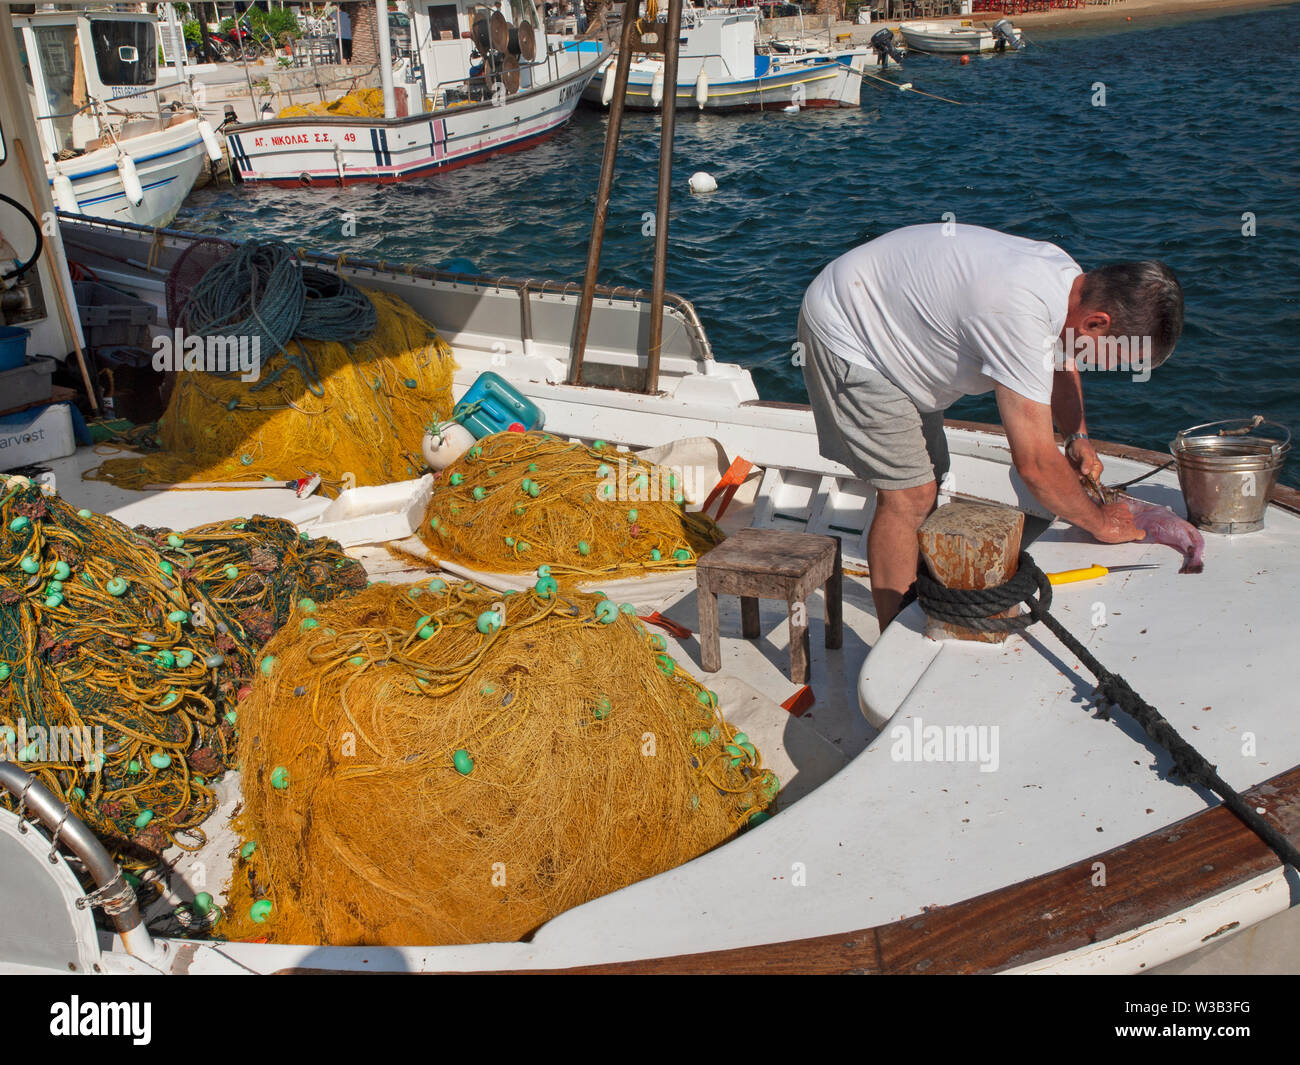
pixel 974 609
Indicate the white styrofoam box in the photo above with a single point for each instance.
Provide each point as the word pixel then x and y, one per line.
pixel 36 436
pixel 375 514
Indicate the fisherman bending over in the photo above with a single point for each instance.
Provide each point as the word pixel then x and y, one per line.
pixel 898 329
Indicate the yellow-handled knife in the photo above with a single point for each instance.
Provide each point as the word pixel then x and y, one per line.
pixel 1089 573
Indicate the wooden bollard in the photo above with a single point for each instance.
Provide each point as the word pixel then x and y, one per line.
pixel 973 546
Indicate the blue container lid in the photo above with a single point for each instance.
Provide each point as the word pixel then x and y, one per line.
pixel 13 346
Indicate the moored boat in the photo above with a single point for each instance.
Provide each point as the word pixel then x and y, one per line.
pixel 954 38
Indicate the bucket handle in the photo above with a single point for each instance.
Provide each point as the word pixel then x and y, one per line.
pixel 1244 426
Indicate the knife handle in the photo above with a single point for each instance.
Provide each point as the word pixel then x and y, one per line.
pixel 1069 576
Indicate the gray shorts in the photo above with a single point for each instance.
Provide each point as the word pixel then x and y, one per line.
pixel 866 422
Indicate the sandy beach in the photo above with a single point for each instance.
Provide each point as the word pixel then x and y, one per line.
pixel 1136 11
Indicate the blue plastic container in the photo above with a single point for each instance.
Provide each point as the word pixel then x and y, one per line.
pixel 13 346
pixel 492 405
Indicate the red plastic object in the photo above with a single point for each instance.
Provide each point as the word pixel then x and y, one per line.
pixel 515 427
pixel 656 618
pixel 800 701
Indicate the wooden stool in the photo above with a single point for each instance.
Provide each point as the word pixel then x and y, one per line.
pixel 768 564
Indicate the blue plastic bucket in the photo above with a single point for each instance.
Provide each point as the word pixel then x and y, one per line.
pixel 13 347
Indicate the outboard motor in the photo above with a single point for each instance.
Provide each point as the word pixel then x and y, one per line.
pixel 882 43
pixel 1005 34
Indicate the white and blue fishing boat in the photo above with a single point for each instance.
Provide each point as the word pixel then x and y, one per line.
pixel 111 148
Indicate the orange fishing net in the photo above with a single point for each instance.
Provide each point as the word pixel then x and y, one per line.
pixel 417 772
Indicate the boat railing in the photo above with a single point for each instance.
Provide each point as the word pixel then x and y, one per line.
pixel 94 105
pixel 112 892
pixel 523 287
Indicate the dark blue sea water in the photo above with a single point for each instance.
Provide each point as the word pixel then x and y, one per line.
pixel 1200 126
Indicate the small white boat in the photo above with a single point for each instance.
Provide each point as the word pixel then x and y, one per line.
pixel 111 150
pixel 476 86
pixel 951 38
pixel 719 70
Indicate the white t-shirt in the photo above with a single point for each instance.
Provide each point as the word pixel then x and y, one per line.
pixel 947 315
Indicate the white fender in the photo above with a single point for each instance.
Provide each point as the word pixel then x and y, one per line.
pixel 607 85
pixel 445 444
pixel 210 141
pixel 657 88
pixel 701 90
pixel 130 179
pixel 702 182
pixel 65 199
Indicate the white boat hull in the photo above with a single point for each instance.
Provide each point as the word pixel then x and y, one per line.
pixel 944 38
pixel 313 150
pixel 168 161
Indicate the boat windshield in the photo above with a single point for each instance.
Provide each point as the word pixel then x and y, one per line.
pixel 56 53
pixel 126 53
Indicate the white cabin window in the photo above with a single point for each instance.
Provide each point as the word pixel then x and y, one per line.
pixel 126 53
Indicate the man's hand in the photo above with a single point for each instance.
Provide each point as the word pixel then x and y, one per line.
pixel 1117 525
pixel 1083 456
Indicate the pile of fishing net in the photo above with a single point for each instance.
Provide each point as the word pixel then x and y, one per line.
pixel 417 771
pixel 515 501
pixel 122 653
pixel 346 383
pixel 360 103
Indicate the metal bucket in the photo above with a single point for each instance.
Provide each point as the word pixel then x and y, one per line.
pixel 1227 470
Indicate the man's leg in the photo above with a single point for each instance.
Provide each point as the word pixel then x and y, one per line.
pixel 892 550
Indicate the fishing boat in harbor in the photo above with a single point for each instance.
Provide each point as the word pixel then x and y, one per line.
pixel 953 38
pixel 111 149
pixel 892 851
pixel 476 85
pixel 720 69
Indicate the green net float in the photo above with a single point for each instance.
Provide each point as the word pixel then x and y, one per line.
pixel 707 697
pixel 475 452
pixel 133 767
pixel 479 493
pixel 632 516
pixel 307 606
pixel 203 903
pixel 175 541
pixel 8 736
pixel 4 675
pixel 463 762
pixel 166 567
pixel 487 689
pixel 523 545
pixel 584 548
pixel 740 739
pixel 184 658
pixel 597 445
pixel 437 586
pixel 606 612
pixel 758 817
pixel 169 699
pixel 543 571
pixel 83 514
pixel 546 587
pixel 737 754
pixel 279 778
pixel 672 480
pixel 231 716
pixel 54 600
pixel 88 580
pixel 602 708
pixel 771 786
pixel 260 911
pixel 642 481
pixel 456 479
pixel 666 664
pixel 94 763
pixel 534 489
pixel 54 586
pixel 200 781
pixel 520 512
pixel 28 753
pixel 679 499
pixel 510 541
pixel 357 660
pixel 750 750
pixel 29 564
pixel 116 586
pixel 143 818
pixel 423 621
pixel 468 586
pixel 488 622
pixel 308 624
pixel 77 794
pixel 603 470
pixel 248 849
pixel 166 659
pixel 62 571
pixel 532 467
pixel 523 485
pixel 701 737
pixel 433 522
pixel 600 595
pixel 492 473
pixel 19 524
pixel 655 555
pixel 607 491
pixel 682 555
pixel 426 632
pixel 627 608
pixel 160 760
pixel 179 617
pixel 268 664
pixel 231 572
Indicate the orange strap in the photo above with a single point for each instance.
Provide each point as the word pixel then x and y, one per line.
pixel 727 485
pixel 656 618
pixel 800 701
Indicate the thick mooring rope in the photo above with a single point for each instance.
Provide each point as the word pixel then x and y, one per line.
pixel 974 609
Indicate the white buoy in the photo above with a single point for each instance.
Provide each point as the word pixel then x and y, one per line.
pixel 210 141
pixel 793 109
pixel 446 443
pixel 65 199
pixel 657 88
pixel 607 86
pixel 702 182
pixel 701 90
pixel 130 179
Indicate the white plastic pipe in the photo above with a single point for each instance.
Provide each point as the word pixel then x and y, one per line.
pixel 385 60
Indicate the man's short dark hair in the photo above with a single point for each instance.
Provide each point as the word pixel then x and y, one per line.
pixel 1143 299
